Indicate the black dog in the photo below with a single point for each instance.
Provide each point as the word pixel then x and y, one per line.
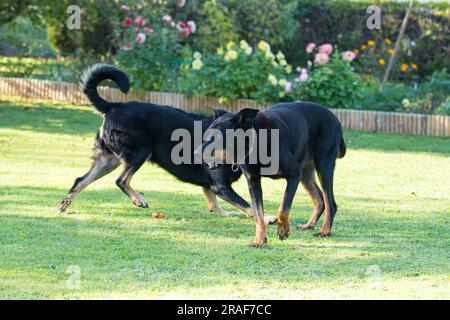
pixel 134 133
pixel 310 138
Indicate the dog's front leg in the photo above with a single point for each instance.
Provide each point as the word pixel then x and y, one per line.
pixel 254 186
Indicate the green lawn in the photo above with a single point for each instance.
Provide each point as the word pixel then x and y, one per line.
pixel 390 240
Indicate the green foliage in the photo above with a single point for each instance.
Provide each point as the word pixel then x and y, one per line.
pixel 334 84
pixel 428 97
pixel 19 37
pixel 218 25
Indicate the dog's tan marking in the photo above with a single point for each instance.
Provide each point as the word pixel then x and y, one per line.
pixel 315 194
pixel 284 227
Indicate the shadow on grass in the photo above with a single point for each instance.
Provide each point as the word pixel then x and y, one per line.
pixel 42 118
pixel 112 241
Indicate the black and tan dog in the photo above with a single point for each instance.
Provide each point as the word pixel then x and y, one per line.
pixel 133 133
pixel 310 139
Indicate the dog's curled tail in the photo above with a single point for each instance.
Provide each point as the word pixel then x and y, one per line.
pixel 96 74
pixel 342 147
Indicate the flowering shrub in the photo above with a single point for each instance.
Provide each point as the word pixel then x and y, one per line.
pixel 239 71
pixel 330 80
pixel 373 58
pixel 150 44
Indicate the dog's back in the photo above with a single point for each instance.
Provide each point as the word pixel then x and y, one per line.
pixel 312 119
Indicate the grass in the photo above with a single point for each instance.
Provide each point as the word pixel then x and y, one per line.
pixel 391 233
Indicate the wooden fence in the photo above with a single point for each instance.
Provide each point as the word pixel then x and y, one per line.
pixel 392 122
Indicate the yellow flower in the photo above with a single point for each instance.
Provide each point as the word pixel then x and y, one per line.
pixel 404 67
pixel 382 62
pixel 282 82
pixel 197 64
pixel 370 43
pixel 405 102
pixel 363 47
pixel 243 44
pixel 230 44
pixel 388 41
pixel 269 55
pixel 197 55
pixel 280 56
pixel 413 65
pixel 272 79
pixel 223 100
pixel 231 55
pixel 283 62
pixel 288 69
pixel 356 51
pixel 248 51
pixel 274 63
pixel 390 51
pixel 264 46
pixel 282 94
pixel 220 51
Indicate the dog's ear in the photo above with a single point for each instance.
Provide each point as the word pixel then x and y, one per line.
pixel 244 117
pixel 218 113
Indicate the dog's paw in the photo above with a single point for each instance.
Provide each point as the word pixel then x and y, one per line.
pixel 270 220
pixel 283 231
pixel 322 234
pixel 305 226
pixel 258 243
pixel 141 203
pixel 64 205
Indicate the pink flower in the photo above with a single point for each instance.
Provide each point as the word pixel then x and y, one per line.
pixel 310 47
pixel 154 1
pixel 140 37
pixel 288 87
pixel 181 26
pixel 348 56
pixel 148 30
pixel 181 3
pixel 186 32
pixel 303 77
pixel 127 47
pixel 322 58
pixel 192 26
pixel 167 19
pixel 127 22
pixel 124 8
pixel 304 71
pixel 139 21
pixel 326 48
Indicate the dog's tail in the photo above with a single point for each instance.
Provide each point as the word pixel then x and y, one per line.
pixel 342 146
pixel 96 74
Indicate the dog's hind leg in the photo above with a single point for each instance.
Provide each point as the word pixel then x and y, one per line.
pixel 284 228
pixel 213 206
pixel 325 171
pixel 309 183
pixel 104 163
pixel 132 165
